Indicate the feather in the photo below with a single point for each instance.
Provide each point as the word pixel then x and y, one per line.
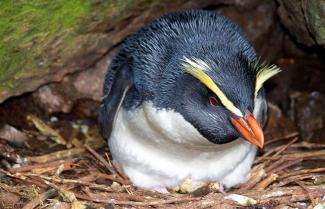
pixel 263 73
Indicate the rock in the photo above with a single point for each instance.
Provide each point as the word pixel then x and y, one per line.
pixel 50 100
pixel 299 90
pixel 278 124
pixel 12 135
pixel 87 84
pixel 298 74
pixel 305 20
pixel 259 22
pixel 308 113
pixel 44 40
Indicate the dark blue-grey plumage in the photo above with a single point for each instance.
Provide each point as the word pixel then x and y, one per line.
pixel 154 55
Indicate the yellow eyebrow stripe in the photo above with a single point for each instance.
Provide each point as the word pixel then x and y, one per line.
pixel 197 68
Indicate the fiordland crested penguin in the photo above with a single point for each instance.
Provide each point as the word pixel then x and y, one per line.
pixel 184 99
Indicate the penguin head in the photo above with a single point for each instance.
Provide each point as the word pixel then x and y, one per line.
pixel 217 96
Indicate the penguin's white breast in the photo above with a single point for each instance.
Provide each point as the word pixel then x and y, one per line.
pixel 161 147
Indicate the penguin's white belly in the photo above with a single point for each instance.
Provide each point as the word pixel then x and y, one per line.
pixel 161 149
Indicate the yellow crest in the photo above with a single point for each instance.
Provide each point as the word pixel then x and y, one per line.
pixel 198 68
pixel 263 73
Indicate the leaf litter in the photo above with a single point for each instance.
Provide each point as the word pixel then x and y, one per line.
pixel 286 174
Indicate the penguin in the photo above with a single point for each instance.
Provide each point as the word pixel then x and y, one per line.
pixel 184 99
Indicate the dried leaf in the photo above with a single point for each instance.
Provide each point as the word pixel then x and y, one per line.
pixel 77 205
pixel 67 195
pixel 320 205
pixel 70 197
pixel 47 130
pixel 241 200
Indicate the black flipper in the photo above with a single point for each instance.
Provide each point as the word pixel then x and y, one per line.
pixel 119 81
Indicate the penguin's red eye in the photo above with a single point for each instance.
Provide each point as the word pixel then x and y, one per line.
pixel 213 101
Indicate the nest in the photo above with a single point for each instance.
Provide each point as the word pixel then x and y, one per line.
pixel 48 171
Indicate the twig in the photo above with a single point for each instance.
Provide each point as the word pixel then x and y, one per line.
pixel 26 193
pixel 23 178
pixel 308 145
pixel 111 177
pixel 67 195
pixel 43 165
pixel 276 150
pixel 292 179
pixel 285 165
pixel 300 155
pixel 118 196
pixel 275 165
pixel 39 199
pixel 119 169
pixel 266 182
pixel 288 136
pixel 285 195
pixel 265 155
pixel 72 181
pixel 313 202
pixel 134 203
pixel 101 159
pixel 107 166
pixel 305 171
pixel 284 147
pixel 256 175
pixel 272 197
pixel 62 154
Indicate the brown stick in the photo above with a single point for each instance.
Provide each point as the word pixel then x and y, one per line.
pixel 62 154
pixel 134 203
pixel 284 147
pixel 305 171
pixel 107 165
pixel 71 181
pixel 300 155
pixel 273 197
pixel 43 165
pixel 292 179
pixel 308 145
pixel 266 182
pixel 24 179
pixel 275 165
pixel 284 166
pixel 312 200
pixel 39 199
pixel 288 136
pixel 101 159
pixel 257 174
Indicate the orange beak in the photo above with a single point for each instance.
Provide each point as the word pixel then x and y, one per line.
pixel 250 130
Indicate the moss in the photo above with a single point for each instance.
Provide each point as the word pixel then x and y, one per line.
pixel 316 20
pixel 39 35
